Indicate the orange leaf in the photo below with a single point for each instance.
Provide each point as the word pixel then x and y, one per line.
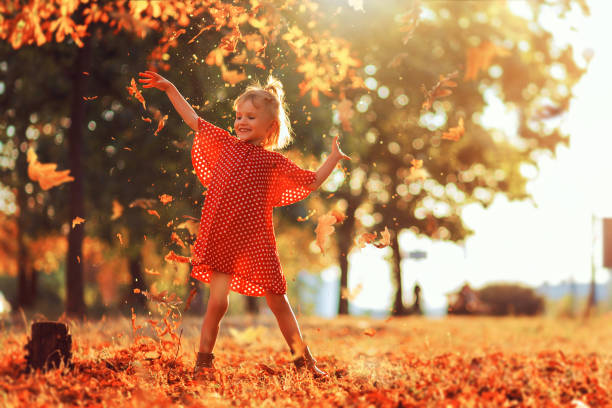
pixel 345 113
pixel 479 58
pixel 77 221
pixel 120 238
pixel 133 90
pixel 324 229
pixel 437 91
pixel 151 271
pixel 45 173
pixel 352 294
pixel 165 198
pixel 143 203
pixel 369 332
pixel 153 212
pixel 232 76
pixel 117 210
pixel 172 257
pixel 455 133
pixel 160 124
pixel 190 298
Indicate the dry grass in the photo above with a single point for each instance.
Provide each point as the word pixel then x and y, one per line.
pixel 452 361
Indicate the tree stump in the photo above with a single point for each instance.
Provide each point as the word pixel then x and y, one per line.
pixel 50 344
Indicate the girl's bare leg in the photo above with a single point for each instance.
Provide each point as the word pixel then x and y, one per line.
pixel 218 304
pixel 279 305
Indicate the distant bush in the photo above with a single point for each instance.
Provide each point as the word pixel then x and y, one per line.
pixel 511 299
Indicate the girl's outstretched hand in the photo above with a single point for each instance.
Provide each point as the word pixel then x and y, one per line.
pixel 336 149
pixel 152 79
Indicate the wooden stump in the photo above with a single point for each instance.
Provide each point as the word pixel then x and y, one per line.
pixel 50 344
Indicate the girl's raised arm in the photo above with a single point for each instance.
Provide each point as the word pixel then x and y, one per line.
pixel 152 79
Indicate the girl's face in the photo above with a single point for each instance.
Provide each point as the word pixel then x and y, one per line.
pixel 252 124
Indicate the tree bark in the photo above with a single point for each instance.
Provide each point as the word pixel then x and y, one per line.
pixel 49 346
pixel 251 305
pixel 345 231
pixel 26 275
pixel 75 305
pixel 137 300
pixel 398 305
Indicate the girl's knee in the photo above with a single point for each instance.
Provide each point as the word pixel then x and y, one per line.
pixel 219 303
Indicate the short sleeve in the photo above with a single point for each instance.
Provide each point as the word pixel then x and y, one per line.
pixel 290 183
pixel 208 144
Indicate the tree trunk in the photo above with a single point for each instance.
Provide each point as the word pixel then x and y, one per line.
pixel 26 282
pixel 25 298
pixel 49 346
pixel 75 305
pixel 398 306
pixel 251 305
pixel 137 300
pixel 345 231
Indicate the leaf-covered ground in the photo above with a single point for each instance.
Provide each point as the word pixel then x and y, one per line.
pixel 407 362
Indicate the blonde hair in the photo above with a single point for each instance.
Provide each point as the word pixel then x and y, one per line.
pixel 273 98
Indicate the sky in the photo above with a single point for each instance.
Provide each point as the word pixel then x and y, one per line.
pixel 552 241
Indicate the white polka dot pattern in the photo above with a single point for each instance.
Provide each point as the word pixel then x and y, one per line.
pixel 244 182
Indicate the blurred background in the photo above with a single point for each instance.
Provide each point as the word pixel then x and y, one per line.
pixel 476 131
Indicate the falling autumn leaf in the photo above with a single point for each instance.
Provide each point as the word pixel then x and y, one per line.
pixel 232 76
pixel 324 229
pixel 410 21
pixel 368 238
pixel 208 27
pixel 190 298
pixel 455 133
pixel 165 198
pixel 172 257
pixel 133 90
pixel 134 327
pixel 145 203
pixel 438 91
pixel 151 271
pixel 365 238
pixel 479 58
pixel 77 221
pixel 45 173
pixel 352 294
pixel 160 124
pixel 146 119
pixel 345 114
pixel 153 212
pixel 117 210
pixel 90 98
pixel 120 238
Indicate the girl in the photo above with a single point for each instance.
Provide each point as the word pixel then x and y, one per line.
pixel 236 248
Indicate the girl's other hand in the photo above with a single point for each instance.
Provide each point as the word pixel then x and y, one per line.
pixel 336 149
pixel 152 79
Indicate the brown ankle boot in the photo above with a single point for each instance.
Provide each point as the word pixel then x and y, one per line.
pixel 204 366
pixel 308 360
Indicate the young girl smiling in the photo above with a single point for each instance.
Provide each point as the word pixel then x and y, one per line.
pixel 245 179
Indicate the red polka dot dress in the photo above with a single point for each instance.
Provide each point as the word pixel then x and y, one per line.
pixel 236 235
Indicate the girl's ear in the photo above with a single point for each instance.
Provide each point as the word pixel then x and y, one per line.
pixel 272 126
